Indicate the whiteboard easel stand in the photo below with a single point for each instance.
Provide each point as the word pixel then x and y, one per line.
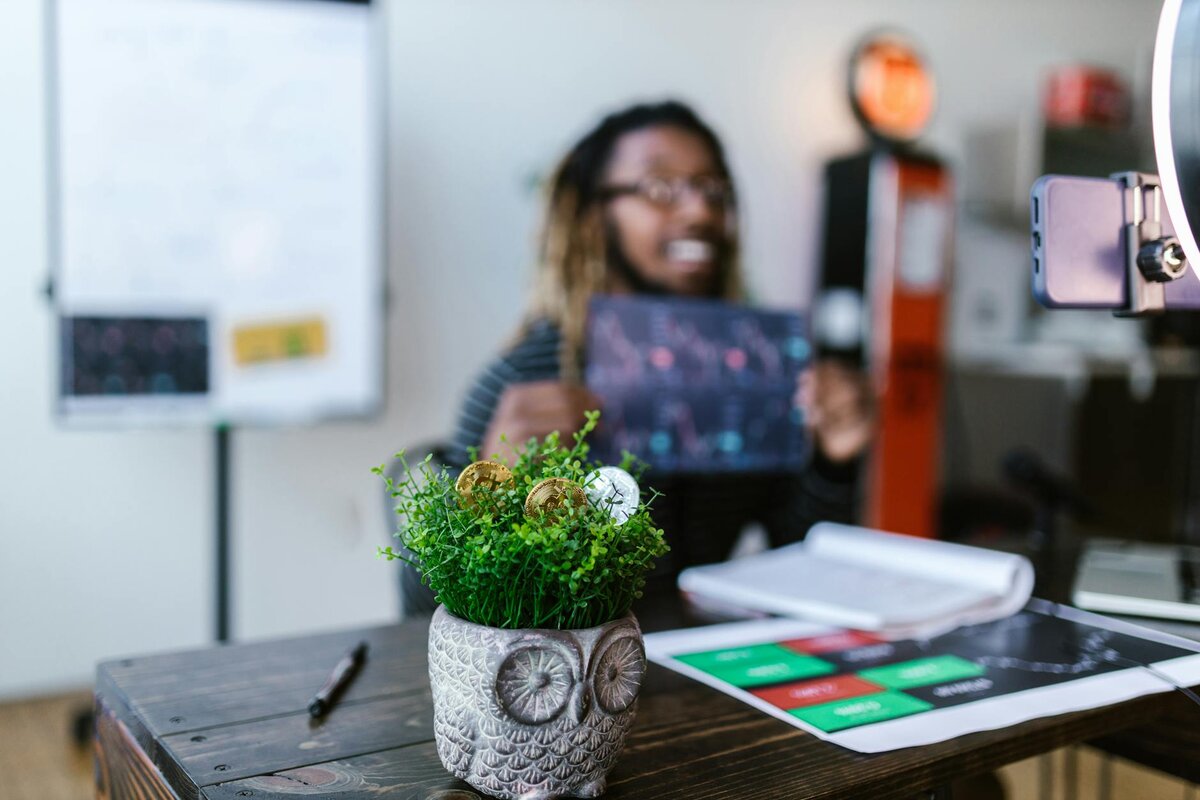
pixel 221 519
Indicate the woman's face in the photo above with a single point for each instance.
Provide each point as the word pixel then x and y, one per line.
pixel 673 235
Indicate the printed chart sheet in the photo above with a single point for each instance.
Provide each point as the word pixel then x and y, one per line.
pixel 849 688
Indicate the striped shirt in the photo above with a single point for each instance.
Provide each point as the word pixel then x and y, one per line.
pixel 702 516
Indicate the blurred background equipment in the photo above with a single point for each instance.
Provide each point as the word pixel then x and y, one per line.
pixel 1079 94
pixel 1150 580
pixel 885 277
pixel 1126 243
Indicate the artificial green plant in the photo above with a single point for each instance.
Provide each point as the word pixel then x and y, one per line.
pixel 490 563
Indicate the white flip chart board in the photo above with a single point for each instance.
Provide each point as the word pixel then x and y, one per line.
pixel 216 209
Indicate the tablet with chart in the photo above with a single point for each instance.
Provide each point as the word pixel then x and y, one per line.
pixel 850 688
pixel 216 212
pixel 697 386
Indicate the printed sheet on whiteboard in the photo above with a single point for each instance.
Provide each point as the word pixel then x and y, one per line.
pixel 217 210
pixel 864 694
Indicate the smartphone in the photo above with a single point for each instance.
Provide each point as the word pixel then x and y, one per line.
pixel 1078 239
pixel 1077 228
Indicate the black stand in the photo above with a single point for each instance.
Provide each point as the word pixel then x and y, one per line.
pixel 221 597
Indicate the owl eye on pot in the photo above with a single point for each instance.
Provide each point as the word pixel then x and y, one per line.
pixel 617 673
pixel 534 684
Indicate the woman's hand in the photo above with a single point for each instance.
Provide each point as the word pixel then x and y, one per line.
pixel 839 406
pixel 534 410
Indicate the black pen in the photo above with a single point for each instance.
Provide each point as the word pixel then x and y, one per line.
pixel 338 680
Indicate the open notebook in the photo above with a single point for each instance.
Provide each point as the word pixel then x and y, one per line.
pixel 895 586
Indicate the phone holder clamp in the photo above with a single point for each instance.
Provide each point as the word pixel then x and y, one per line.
pixel 1151 259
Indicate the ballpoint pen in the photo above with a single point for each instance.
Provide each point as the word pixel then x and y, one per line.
pixel 337 681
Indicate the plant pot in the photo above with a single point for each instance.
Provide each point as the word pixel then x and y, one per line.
pixel 533 713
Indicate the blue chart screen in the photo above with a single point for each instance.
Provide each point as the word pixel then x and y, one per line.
pixel 697 386
pixel 135 356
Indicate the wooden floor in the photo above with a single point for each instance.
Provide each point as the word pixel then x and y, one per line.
pixel 1127 781
pixel 39 761
pixel 38 758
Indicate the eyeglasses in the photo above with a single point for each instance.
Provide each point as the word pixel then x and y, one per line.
pixel 667 192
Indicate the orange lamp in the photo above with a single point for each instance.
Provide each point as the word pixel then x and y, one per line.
pixel 891 89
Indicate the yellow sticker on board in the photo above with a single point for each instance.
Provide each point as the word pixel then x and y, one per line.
pixel 279 341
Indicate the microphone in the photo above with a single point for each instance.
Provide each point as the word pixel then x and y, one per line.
pixel 1026 470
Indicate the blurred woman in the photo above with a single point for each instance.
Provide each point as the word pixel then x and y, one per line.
pixel 645 204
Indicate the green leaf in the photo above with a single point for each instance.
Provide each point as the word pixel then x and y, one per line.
pixel 490 564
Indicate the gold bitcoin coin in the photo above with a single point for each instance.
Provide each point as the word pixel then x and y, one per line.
pixel 482 473
pixel 552 496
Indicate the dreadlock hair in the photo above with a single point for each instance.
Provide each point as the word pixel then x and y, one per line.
pixel 573 256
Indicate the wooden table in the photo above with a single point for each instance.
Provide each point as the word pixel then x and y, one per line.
pixel 1172 743
pixel 230 722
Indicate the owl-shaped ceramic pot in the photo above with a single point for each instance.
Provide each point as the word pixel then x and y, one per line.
pixel 533 714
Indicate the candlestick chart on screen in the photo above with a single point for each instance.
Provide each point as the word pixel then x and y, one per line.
pixel 697 386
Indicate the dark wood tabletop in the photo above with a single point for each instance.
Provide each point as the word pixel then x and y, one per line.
pixel 231 722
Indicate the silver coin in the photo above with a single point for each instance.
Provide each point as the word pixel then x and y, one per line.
pixel 614 490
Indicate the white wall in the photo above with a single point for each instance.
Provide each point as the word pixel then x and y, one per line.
pixel 105 537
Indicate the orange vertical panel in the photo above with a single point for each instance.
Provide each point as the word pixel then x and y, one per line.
pixel 907 356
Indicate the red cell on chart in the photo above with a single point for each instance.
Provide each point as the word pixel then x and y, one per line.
pixel 810 693
pixel 844 640
pixel 662 358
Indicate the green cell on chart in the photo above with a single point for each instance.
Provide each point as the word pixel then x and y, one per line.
pixel 757 665
pixel 841 714
pixel 922 672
